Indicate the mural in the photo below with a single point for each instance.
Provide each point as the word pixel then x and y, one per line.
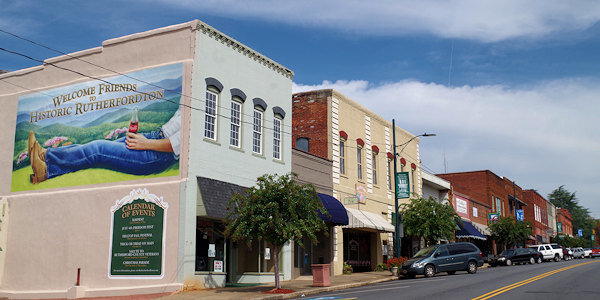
pixel 114 129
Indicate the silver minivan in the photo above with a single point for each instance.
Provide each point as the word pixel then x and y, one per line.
pixel 443 258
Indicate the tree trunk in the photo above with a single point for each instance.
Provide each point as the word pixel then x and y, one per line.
pixel 276 262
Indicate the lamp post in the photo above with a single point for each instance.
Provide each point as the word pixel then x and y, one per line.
pixel 397 243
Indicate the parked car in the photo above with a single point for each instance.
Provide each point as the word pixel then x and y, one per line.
pixel 595 252
pixel 588 252
pixel 443 258
pixel 517 256
pixel 549 251
pixel 578 252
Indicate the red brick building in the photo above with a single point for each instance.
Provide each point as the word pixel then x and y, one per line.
pixel 500 193
pixel 536 211
pixel 564 221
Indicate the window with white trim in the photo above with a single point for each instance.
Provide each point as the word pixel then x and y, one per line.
pixel 374 169
pixel 236 123
pixel 359 162
pixel 277 138
pixel 210 115
pixel 389 174
pixel 342 157
pixel 257 131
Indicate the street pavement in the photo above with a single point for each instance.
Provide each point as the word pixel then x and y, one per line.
pixel 575 279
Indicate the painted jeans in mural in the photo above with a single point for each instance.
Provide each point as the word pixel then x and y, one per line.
pixel 112 155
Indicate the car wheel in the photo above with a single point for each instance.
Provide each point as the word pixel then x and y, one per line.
pixel 472 267
pixel 531 260
pixel 451 272
pixel 509 262
pixel 429 271
pixel 556 258
pixel 539 260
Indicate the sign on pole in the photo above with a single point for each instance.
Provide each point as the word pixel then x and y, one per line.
pixel 580 232
pixel 402 185
pixel 519 213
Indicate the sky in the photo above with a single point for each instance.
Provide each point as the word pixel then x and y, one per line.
pixel 509 86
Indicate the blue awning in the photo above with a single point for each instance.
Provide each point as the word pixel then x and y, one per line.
pixel 337 212
pixel 467 230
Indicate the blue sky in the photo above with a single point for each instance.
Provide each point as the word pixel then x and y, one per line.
pixel 510 86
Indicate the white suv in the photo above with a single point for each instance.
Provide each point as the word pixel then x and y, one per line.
pixel 549 251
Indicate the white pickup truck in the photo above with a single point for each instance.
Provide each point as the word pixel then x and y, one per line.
pixel 549 251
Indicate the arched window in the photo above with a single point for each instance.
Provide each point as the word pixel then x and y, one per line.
pixel 302 144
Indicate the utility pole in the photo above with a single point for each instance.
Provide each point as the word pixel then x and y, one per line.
pixel 397 242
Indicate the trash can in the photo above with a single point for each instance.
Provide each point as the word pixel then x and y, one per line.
pixel 321 275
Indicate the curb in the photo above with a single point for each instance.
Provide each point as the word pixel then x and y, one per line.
pixel 324 289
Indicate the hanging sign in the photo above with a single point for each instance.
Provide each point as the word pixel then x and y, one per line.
pixel 402 185
pixel 138 236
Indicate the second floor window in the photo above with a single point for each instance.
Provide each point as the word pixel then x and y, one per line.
pixel 359 162
pixel 257 132
pixel 389 174
pixel 342 157
pixel 277 138
pixel 374 168
pixel 236 122
pixel 210 116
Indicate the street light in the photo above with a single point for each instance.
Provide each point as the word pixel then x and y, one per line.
pixel 398 219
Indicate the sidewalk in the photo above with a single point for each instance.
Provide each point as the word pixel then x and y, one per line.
pixel 301 285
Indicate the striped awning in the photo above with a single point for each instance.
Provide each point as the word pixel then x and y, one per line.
pixel 367 220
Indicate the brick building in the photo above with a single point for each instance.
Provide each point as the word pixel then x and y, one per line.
pixel 359 142
pixel 564 222
pixel 536 212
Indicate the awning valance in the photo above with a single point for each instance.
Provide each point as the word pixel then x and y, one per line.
pixel 337 212
pixel 467 230
pixel 367 220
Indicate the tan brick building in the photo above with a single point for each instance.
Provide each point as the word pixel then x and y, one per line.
pixel 359 142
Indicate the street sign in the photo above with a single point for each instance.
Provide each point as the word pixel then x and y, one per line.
pixel 579 232
pixel 519 213
pixel 492 217
pixel 402 185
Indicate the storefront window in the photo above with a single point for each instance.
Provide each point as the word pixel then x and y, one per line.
pixel 210 246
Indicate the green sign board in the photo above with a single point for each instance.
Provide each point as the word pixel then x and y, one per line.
pixel 402 185
pixel 137 245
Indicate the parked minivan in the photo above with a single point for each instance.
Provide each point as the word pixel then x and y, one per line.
pixel 443 258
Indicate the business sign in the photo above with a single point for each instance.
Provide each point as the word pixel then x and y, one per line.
pixel 492 217
pixel 461 207
pixel 82 127
pixel 559 227
pixel 580 232
pixel 218 265
pixel 351 200
pixel 402 185
pixel 138 232
pixel 519 214
pixel 361 193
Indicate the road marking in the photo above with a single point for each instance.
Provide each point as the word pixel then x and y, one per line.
pixel 526 281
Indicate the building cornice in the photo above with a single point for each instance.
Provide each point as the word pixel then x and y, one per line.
pixel 241 48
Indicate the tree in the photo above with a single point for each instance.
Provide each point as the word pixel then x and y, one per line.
pixel 429 219
pixel 509 232
pixel 276 210
pixel 561 197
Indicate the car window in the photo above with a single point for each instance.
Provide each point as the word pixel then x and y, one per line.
pixel 425 252
pixel 442 251
pixel 555 246
pixel 508 252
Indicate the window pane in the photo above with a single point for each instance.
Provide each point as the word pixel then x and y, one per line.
pixel 257 132
pixel 342 158
pixel 277 138
pixel 359 162
pixel 236 110
pixel 374 169
pixel 210 118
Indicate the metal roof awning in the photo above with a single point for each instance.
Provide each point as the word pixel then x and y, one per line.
pixel 467 230
pixel 367 220
pixel 513 198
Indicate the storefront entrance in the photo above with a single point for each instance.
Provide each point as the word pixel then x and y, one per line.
pixel 357 249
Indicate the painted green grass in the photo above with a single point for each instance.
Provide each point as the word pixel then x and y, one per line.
pixel 20 178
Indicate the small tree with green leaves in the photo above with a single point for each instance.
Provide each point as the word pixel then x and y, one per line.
pixel 276 210
pixel 507 231
pixel 429 219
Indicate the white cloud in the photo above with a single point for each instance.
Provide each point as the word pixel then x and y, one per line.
pixel 542 136
pixel 487 21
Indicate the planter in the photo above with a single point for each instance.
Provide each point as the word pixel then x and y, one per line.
pixel 394 271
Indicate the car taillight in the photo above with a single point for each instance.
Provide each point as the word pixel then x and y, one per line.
pixel 480 255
